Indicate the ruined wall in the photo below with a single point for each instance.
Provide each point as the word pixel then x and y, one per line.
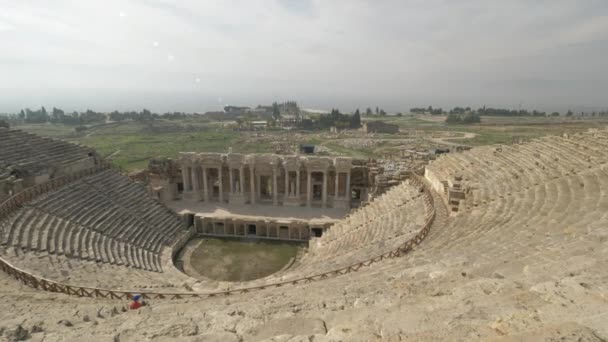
pixel 163 177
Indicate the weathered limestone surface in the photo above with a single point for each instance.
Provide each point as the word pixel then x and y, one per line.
pixel 523 259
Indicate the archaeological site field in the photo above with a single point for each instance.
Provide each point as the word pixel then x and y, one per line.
pixel 303 171
pixel 428 232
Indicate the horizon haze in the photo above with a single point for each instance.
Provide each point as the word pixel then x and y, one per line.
pixel 197 56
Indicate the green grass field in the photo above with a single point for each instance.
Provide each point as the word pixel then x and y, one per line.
pixel 235 260
pixel 130 145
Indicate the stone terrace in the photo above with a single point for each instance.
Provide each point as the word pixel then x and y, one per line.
pixel 26 152
pixel 102 219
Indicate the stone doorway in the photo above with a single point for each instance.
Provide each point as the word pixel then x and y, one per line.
pixel 317 192
pixel 317 232
pixel 355 194
pixel 189 219
pixel 284 232
pixel 219 228
pixel 251 229
pixel 265 187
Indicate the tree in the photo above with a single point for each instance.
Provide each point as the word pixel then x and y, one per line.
pixel 569 113
pixel 467 118
pixel 555 114
pixel 368 112
pixel 470 118
pixel 377 110
pixel 37 116
pixel 145 115
pixel 453 118
pixel 57 115
pixel 4 123
pixel 276 113
pixel 355 121
pixel 382 112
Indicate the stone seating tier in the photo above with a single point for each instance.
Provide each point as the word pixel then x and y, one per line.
pixel 89 220
pixel 527 253
pixel 37 153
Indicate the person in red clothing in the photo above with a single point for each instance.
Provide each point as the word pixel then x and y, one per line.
pixel 136 304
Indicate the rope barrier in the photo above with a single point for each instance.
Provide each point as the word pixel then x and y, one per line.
pixel 18 200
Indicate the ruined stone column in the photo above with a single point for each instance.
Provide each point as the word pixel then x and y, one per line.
pixel 231 180
pixel 336 189
pixel 221 192
pixel 242 180
pixel 309 188
pixel 205 186
pixel 195 185
pixel 185 177
pixel 324 193
pixel 286 192
pixel 258 191
pixel 298 186
pixel 347 187
pixel 252 184
pixel 275 192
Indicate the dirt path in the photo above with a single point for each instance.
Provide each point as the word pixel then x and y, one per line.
pixel 445 141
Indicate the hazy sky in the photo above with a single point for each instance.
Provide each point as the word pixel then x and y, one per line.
pixel 200 55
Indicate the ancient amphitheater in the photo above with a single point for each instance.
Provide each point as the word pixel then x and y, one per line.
pixel 497 243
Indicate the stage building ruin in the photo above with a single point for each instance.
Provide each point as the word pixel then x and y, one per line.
pixel 280 180
pixel 235 180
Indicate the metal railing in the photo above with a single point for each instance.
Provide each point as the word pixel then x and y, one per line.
pixel 36 282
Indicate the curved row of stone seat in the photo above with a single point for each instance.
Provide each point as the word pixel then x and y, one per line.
pixel 101 218
pixel 383 225
pixel 546 240
pixel 37 231
pixel 521 165
pixel 367 224
pixel 114 206
pixel 91 273
pixel 538 199
pixel 526 232
pixel 36 152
